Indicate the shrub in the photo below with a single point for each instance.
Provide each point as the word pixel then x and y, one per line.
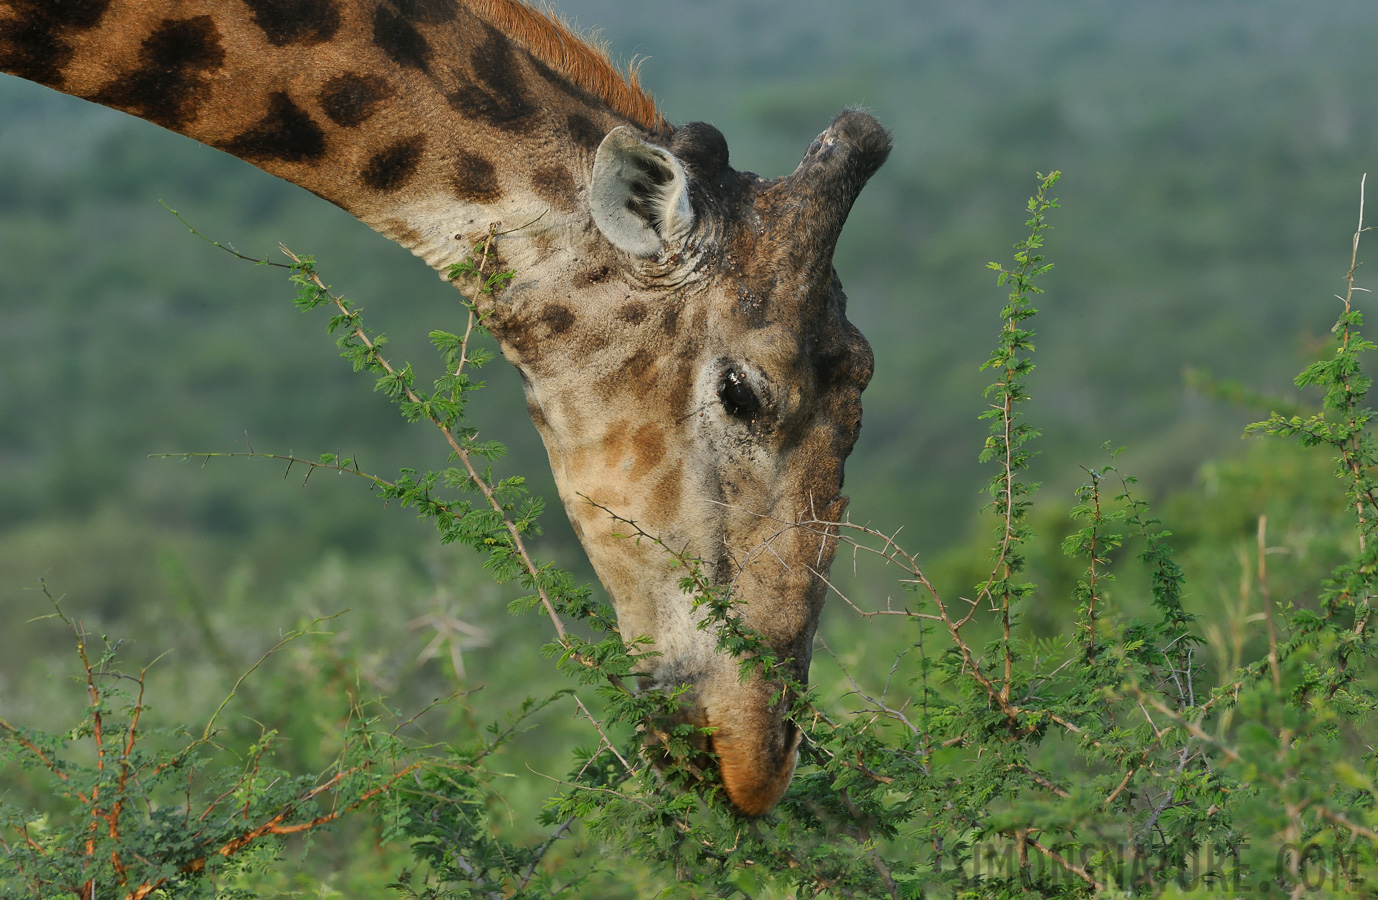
pixel 1130 752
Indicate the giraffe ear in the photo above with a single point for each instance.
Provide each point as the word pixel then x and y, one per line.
pixel 639 195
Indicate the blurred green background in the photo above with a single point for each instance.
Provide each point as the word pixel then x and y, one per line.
pixel 1212 154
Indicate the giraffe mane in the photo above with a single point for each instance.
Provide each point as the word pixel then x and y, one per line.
pixel 584 62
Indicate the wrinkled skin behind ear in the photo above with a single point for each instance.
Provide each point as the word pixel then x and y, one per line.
pixel 639 195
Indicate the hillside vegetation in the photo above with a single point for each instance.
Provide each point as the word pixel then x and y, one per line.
pixel 1211 158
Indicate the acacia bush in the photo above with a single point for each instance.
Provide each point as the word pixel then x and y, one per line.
pixel 993 740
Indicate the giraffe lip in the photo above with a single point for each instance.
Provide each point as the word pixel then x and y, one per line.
pixel 755 761
pixel 754 780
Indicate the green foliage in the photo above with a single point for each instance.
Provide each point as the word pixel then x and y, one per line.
pixel 1135 750
pixel 168 812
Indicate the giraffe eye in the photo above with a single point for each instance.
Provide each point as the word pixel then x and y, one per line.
pixel 737 397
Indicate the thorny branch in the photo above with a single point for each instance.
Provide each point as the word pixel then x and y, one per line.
pixel 1024 714
pixel 460 451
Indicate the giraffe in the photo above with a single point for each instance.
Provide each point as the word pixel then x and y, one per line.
pixel 678 326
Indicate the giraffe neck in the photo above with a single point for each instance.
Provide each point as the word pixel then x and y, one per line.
pixel 429 120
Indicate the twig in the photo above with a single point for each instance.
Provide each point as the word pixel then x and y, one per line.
pixel 1065 864
pixel 607 741
pixel 282 642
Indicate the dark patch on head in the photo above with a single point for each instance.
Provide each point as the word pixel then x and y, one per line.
pixel 34 42
pixel 631 313
pixel 517 335
pixel 400 40
pixel 545 244
pixel 595 341
pixel 537 415
pixel 389 169
pixel 554 185
pixel 678 400
pixel 558 319
pixel 649 446
pixel 669 320
pixel 842 362
pixel 474 178
pixel 690 349
pixel 637 372
pixel 702 148
pixel 667 492
pixel 427 12
pixel 751 301
pixel 584 132
pixel 286 133
pixel 350 100
pixel 524 333
pixel 169 85
pixel 296 21
pixel 497 94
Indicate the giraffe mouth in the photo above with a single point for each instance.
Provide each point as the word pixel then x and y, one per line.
pixel 756 768
pixel 753 749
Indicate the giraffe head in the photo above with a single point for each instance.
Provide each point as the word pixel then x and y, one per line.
pixel 700 379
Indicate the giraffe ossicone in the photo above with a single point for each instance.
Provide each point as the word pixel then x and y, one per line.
pixel 680 331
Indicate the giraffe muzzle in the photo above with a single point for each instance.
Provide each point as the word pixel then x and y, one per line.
pixel 756 768
pixel 756 744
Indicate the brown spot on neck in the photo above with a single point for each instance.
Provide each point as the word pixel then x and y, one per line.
pixel 296 21
pixel 427 12
pixel 496 92
pixel 35 43
pixel 285 133
pixel 171 83
pixel 474 178
pixel 554 185
pixel 400 40
pixel 350 100
pixel 584 132
pixel 390 169
pixel 401 232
